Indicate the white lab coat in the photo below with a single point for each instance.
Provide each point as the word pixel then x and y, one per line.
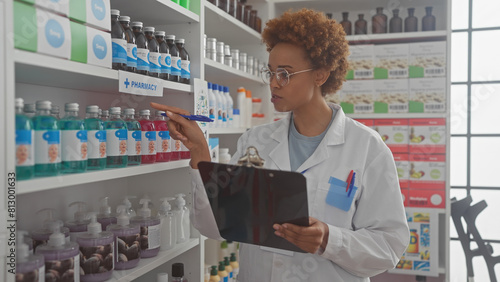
pixel 364 241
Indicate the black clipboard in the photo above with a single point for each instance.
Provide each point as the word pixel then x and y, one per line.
pixel 247 201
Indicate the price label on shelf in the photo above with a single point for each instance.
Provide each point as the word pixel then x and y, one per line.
pixel 137 84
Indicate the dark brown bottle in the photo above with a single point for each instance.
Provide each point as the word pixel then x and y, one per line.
pixel 246 14
pixel 428 21
pixel 360 25
pixel 253 19
pixel 379 22
pixel 396 23
pixel 411 22
pixel 240 10
pixel 223 5
pixel 346 24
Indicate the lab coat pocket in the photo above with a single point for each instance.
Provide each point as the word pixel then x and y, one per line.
pixel 338 196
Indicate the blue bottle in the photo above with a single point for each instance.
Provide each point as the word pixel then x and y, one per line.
pixel 116 139
pixel 47 141
pixel 25 155
pixel 134 137
pixel 96 139
pixel 73 140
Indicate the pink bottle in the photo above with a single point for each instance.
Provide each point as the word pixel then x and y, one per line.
pixel 148 142
pixel 163 152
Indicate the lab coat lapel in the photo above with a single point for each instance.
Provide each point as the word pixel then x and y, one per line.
pixel 280 154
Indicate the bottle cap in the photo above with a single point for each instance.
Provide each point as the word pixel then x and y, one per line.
pixel 139 24
pixel 79 215
pixel 57 239
pixel 226 89
pixel 105 208
pixel 159 33
pixel 115 110
pixel 149 29
pixel 224 150
pixel 71 107
pixel 159 113
pixel 233 257
pixel 241 89
pixel 122 219
pixel 115 12
pixel 214 270
pixel 165 205
pixel 179 200
pixel 92 109
pixel 145 211
pixel 222 267
pixel 94 227
pixel 178 269
pixel 144 112
pixel 124 19
pixel 221 88
pixel 215 86
pixel 43 105
pixel 170 36
pixel 249 93
pixel 179 40
pixel 29 108
pixel 226 260
pixel 49 223
pixel 20 102
pixel 162 277
pixel 209 85
pixel 129 111
pixel 256 100
pixel 54 109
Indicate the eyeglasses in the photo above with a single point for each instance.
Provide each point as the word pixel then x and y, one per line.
pixel 282 75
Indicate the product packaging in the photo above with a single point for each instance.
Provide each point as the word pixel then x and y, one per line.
pixel 394 132
pixel 428 59
pixel 361 62
pixel 95 13
pixel 60 7
pixel 427 95
pixel 427 172
pixel 213 144
pixel 90 46
pixel 391 61
pixel 427 136
pixel 419 198
pixel 357 97
pixel 403 169
pixel 391 96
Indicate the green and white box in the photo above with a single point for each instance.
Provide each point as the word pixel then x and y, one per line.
pixel 428 59
pixel 360 62
pixel 427 95
pixel 357 97
pixel 57 6
pixel 37 30
pixel 391 61
pixel 391 96
pixel 94 13
pixel 90 46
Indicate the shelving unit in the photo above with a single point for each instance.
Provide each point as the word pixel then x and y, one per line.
pixel 158 12
pixel 218 131
pixel 216 69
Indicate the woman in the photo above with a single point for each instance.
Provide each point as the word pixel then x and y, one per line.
pixel 307 60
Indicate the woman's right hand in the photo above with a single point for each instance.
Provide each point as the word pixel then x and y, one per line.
pixel 187 131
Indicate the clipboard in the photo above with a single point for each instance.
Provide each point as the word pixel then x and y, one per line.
pixel 247 201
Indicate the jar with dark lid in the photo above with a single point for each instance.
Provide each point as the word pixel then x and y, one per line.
pixel 246 15
pixel 396 23
pixel 411 22
pixel 360 26
pixel 253 19
pixel 258 25
pixel 379 22
pixel 428 21
pixel 240 11
pixel 346 24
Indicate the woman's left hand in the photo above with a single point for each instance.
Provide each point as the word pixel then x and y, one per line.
pixel 308 238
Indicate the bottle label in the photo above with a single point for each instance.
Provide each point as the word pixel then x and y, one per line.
pixel 131 55
pixel 96 144
pixel 177 146
pixel 47 143
pixel 128 247
pixel 134 143
pixel 150 237
pixel 163 142
pixel 74 145
pixel 211 108
pixel 101 256
pixel 176 66
pixel 154 62
pixel 185 69
pixel 148 143
pixel 69 268
pixel 166 63
pixel 116 140
pixel 142 59
pixel 24 148
pixel 119 51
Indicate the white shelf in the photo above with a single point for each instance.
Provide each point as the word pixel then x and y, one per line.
pixel 40 69
pixel 215 71
pixel 226 130
pixel 155 12
pixel 148 264
pixel 397 115
pixel 48 183
pixel 227 28
pixel 397 37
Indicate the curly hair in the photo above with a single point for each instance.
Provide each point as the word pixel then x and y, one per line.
pixel 322 38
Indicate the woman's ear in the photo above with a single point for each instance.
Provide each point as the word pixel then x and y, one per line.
pixel 321 76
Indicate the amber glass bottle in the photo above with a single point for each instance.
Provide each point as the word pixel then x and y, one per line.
pixel 379 22
pixel 346 24
pixel 411 22
pixel 428 21
pixel 396 23
pixel 360 25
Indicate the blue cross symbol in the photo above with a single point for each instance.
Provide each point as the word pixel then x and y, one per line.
pixel 126 83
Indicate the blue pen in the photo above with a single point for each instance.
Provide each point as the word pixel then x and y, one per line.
pixel 351 186
pixel 194 117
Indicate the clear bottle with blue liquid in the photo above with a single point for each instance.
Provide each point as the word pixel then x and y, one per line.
pixel 73 140
pixel 134 137
pixel 96 135
pixel 25 155
pixel 116 139
pixel 47 141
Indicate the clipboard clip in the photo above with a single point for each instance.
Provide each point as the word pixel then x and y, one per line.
pixel 251 158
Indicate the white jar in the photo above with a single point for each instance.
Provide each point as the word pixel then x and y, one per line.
pixel 224 156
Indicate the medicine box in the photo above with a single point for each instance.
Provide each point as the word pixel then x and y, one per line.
pixel 90 46
pixel 60 7
pixel 213 145
pixel 427 172
pixel 37 30
pixel 357 96
pixel 391 96
pixel 367 122
pixel 391 61
pixel 428 59
pixel 94 13
pixel 427 136
pixel 361 62
pixel 402 162
pixel 427 95
pixel 427 198
pixel 394 132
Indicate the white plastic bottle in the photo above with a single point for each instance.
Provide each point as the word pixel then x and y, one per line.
pixel 230 105
pixel 241 105
pixel 29 267
pixel 127 249
pixel 224 105
pixel 218 106
pixel 183 222
pixel 224 156
pixel 167 225
pixel 150 230
pixel 79 222
pixel 211 105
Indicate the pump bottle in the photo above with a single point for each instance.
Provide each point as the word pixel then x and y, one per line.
pixel 183 223
pixel 127 250
pixel 29 267
pixel 224 276
pixel 235 265
pixel 126 202
pixel 214 275
pixel 104 217
pixel 167 222
pixel 41 236
pixel 80 221
pixel 229 268
pixel 150 230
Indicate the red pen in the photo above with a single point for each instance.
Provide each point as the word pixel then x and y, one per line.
pixel 349 178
